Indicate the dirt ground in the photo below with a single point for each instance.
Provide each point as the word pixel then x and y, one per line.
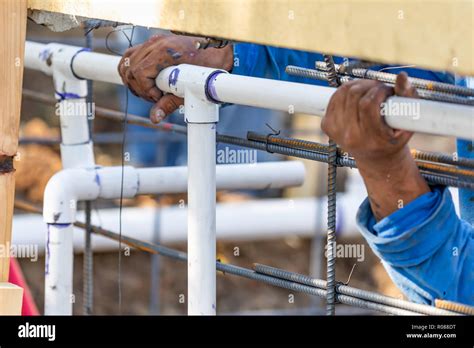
pixel 234 294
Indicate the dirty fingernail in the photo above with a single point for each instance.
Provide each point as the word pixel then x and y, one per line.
pixel 157 116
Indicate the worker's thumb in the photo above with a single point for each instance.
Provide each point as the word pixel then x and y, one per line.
pixel 165 106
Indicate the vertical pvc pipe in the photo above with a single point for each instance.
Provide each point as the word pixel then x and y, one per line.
pixel 201 206
pixel 59 297
pixel 76 152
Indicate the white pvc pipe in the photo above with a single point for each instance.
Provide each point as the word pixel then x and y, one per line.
pixel 423 115
pixel 235 221
pixel 272 94
pixel 76 152
pixel 104 67
pixel 59 296
pixel 434 117
pixel 69 186
pixel 256 176
pixel 202 218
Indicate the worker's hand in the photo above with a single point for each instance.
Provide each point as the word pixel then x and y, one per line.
pixel 353 119
pixel 141 64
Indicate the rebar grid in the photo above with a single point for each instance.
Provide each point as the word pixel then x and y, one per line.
pixel 285 146
pixel 441 95
pixel 390 78
pixel 343 289
pixel 274 276
pixel 318 152
pixel 333 81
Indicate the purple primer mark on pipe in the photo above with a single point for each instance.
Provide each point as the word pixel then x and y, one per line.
pixel 45 55
pixel 211 92
pixel 97 179
pixel 173 79
pixel 63 96
pixel 46 269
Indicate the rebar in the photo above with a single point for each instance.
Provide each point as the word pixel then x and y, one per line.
pixel 444 169
pixel 269 144
pixel 232 269
pixel 454 306
pixel 438 167
pixel 250 274
pixel 422 93
pixel 88 274
pixel 333 81
pixel 343 289
pixel 442 175
pixel 312 74
pixel 416 82
pixel 443 158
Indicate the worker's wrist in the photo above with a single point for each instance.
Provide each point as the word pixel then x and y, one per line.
pixel 219 58
pixel 379 167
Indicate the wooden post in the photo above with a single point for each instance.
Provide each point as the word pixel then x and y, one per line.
pixel 12 39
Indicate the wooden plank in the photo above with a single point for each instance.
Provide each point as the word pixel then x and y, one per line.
pixel 12 37
pixel 435 34
pixel 11 298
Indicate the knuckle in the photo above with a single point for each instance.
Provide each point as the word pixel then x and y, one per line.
pixel 364 104
pixel 136 71
pixel 354 90
pixel 344 88
pixel 172 104
pixel 324 124
pixel 348 140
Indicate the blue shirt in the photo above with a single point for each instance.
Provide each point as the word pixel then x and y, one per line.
pixel 427 250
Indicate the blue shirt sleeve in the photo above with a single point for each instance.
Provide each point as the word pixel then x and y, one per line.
pixel 425 248
pixel 270 62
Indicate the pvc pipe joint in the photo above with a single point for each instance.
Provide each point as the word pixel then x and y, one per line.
pixel 57 60
pixel 69 186
pixel 194 83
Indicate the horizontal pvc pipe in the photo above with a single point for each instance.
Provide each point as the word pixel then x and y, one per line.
pixel 34 57
pixel 246 221
pixel 229 177
pixel 103 67
pixel 431 117
pixel 421 115
pixel 69 186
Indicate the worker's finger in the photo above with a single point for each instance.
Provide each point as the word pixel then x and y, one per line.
pixel 376 123
pixel 370 106
pixel 355 92
pixel 125 62
pixel 145 74
pixel 137 58
pixel 165 106
pixel 403 87
pixel 330 123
